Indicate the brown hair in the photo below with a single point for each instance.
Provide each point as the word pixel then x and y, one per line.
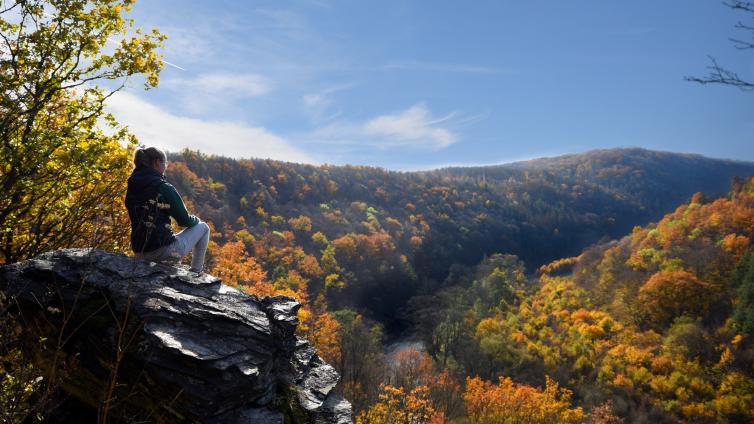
pixel 146 156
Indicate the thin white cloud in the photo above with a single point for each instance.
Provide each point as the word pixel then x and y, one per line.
pixel 319 105
pixel 189 45
pixel 157 127
pixel 287 20
pixel 217 94
pixel 316 101
pixel 225 84
pixel 339 87
pixel 414 127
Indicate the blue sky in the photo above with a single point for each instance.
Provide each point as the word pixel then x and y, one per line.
pixel 412 85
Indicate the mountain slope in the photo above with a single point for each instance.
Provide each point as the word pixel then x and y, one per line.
pixel 657 326
pixel 389 235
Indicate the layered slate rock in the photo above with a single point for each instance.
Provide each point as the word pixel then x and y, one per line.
pixel 192 349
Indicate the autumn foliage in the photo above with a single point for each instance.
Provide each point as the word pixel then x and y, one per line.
pixel 398 406
pixel 508 402
pixel 236 268
pixel 670 294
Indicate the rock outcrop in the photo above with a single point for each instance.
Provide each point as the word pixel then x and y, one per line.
pixel 182 348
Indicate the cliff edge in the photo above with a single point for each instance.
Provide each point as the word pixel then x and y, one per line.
pixel 157 343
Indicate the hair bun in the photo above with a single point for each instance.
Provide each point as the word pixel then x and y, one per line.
pixel 145 156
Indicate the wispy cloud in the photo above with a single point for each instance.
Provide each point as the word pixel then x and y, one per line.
pixel 282 19
pixel 187 46
pixel 316 101
pixel 414 127
pixel 319 104
pixel 413 65
pixel 158 127
pixel 215 92
pixel 233 85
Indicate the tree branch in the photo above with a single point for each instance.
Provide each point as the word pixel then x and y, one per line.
pixel 720 75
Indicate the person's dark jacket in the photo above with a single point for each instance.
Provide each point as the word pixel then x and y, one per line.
pixel 151 201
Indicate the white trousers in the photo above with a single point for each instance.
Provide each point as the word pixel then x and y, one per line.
pixel 193 239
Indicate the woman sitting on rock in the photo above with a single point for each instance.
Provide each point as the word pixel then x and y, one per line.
pixel 151 201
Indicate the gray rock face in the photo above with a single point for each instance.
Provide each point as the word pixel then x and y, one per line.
pixel 193 348
pixel 335 410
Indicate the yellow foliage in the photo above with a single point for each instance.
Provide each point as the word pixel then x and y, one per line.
pixel 64 160
pixel 735 244
pixel 302 223
pixel 395 406
pixel 621 380
pixel 322 332
pixel 20 380
pixel 235 267
pixel 509 402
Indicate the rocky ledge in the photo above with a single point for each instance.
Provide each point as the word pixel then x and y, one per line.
pixel 156 343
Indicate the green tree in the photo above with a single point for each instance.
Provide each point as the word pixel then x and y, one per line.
pixel 497 278
pixel 361 358
pixel 61 174
pixel 743 280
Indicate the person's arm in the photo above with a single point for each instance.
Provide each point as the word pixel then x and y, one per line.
pixel 177 208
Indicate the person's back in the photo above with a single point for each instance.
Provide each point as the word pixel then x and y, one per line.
pixel 151 201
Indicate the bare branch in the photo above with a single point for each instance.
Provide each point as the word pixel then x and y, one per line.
pixel 9 8
pixel 741 45
pixel 720 75
pixel 740 5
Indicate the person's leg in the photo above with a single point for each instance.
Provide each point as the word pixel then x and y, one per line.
pixel 195 239
pixel 200 248
pixel 161 255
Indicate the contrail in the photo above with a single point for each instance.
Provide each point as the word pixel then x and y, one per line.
pixel 172 64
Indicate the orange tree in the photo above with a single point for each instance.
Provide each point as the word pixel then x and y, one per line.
pixel 395 406
pixel 236 268
pixel 508 402
pixel 670 294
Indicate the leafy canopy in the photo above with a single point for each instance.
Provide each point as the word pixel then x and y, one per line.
pixel 60 173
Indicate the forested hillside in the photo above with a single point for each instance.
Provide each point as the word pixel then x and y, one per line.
pixel 379 237
pixel 654 327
